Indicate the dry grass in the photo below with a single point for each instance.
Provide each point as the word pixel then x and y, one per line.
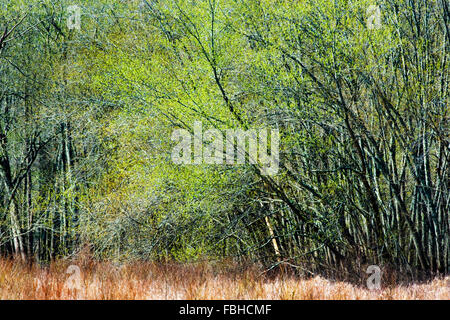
pixel 170 281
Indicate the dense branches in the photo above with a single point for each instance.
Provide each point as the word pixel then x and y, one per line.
pixel 363 116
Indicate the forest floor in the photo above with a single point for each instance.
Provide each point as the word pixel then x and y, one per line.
pixel 94 280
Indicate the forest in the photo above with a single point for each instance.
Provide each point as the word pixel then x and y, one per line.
pixel 356 93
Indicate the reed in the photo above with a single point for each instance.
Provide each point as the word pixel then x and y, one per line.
pixel 145 280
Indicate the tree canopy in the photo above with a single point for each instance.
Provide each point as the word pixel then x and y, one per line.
pixel 360 104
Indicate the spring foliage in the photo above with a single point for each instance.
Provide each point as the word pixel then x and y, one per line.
pixel 87 115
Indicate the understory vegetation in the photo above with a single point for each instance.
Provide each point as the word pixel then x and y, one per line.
pixel 87 115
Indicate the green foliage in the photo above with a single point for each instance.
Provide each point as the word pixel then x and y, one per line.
pixel 362 114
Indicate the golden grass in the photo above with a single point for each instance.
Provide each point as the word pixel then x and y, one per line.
pixel 103 280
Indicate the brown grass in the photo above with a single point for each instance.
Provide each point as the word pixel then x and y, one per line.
pixel 103 280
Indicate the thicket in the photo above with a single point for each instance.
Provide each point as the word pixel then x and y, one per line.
pixel 86 117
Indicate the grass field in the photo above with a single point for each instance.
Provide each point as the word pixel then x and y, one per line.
pixel 94 280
